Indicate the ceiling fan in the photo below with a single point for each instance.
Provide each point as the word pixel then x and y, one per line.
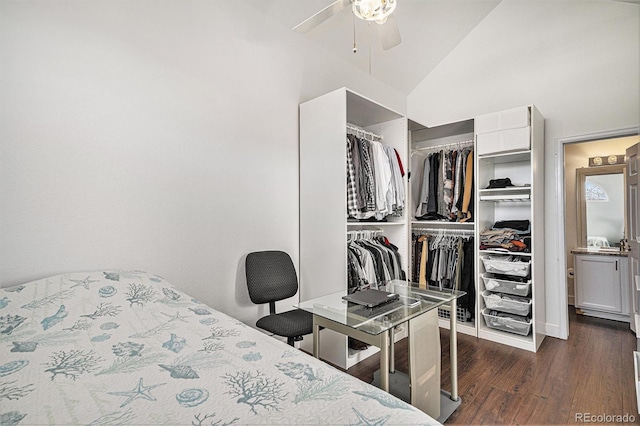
pixel 378 11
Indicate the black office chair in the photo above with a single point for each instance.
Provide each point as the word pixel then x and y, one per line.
pixel 271 276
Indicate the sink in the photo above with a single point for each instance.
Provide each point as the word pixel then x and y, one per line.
pixel 595 250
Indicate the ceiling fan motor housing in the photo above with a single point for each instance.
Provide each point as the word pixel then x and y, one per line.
pixel 373 10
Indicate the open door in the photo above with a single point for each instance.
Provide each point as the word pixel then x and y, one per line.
pixel 633 229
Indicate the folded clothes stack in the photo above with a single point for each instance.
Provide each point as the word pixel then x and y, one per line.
pixel 507 235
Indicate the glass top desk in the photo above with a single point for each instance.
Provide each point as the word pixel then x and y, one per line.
pixel 374 326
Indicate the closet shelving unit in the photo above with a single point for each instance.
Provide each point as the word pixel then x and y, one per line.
pixel 323 193
pixel 423 140
pixel 324 225
pixel 525 200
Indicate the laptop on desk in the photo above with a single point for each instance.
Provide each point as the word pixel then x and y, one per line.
pixel 370 298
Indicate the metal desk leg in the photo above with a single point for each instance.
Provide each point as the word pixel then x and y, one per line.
pixel 392 351
pixel 453 349
pixel 384 361
pixel 316 338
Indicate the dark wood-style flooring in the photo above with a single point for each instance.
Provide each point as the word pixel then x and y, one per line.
pixel 591 372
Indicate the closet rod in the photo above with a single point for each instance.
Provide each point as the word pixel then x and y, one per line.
pixel 452 145
pixel 363 234
pixel 358 130
pixel 443 231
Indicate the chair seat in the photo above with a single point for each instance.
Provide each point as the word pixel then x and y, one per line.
pixel 288 324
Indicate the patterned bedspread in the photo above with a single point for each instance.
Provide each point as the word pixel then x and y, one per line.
pixel 126 347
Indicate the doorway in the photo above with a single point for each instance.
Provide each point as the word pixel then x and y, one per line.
pixel 587 152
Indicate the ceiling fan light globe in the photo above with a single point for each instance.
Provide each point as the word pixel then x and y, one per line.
pixel 373 10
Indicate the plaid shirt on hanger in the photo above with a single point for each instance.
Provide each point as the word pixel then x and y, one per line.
pixel 353 200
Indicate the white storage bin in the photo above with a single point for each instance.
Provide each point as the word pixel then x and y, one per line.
pixel 511 325
pixel 503 120
pixel 494 301
pixel 504 141
pixel 504 286
pixel 497 265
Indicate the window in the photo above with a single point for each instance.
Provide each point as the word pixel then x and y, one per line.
pixel 595 192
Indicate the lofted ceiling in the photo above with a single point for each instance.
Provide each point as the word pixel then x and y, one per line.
pixel 430 29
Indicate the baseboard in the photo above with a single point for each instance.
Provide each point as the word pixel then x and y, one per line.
pixel 553 330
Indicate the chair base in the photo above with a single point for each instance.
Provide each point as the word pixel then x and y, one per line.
pixel 291 340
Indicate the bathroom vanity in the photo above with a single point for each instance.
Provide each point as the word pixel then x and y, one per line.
pixel 602 282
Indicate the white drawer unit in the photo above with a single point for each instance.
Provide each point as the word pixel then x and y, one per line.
pixel 508 304
pixel 521 326
pixel 504 141
pixel 504 120
pixel 505 286
pixel 503 265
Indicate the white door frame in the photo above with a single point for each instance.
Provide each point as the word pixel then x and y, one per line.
pixel 563 298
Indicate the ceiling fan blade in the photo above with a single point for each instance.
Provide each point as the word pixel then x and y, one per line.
pixel 389 33
pixel 321 16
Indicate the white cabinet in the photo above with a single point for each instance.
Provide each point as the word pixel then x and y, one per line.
pixel 510 144
pixel 323 195
pixel 502 120
pixel 503 131
pixel 601 285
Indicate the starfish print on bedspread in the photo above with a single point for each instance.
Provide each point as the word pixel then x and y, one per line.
pixel 175 317
pixel 84 283
pixel 139 391
pixel 363 420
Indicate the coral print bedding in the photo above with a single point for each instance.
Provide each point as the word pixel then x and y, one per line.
pixel 126 348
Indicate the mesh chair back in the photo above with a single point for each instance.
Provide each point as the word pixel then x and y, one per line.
pixel 271 276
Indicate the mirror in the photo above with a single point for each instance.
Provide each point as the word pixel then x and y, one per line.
pixel 601 206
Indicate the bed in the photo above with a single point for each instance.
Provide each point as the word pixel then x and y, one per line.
pixel 127 347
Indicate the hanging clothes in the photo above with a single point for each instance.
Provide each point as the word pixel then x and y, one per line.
pixel 375 188
pixel 447 262
pixel 372 261
pixel 445 184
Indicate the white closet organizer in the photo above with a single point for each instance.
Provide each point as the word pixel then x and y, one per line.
pixel 423 141
pixel 323 195
pixel 510 144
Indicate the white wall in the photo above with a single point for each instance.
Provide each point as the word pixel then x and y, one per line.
pixel 155 135
pixel 576 60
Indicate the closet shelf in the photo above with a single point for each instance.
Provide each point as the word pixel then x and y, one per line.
pixel 508 189
pixel 512 253
pixel 355 224
pixel 505 198
pixel 507 157
pixel 505 337
pixel 442 224
pixel 513 193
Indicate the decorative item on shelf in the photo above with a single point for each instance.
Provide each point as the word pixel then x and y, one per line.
pixel 606 161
